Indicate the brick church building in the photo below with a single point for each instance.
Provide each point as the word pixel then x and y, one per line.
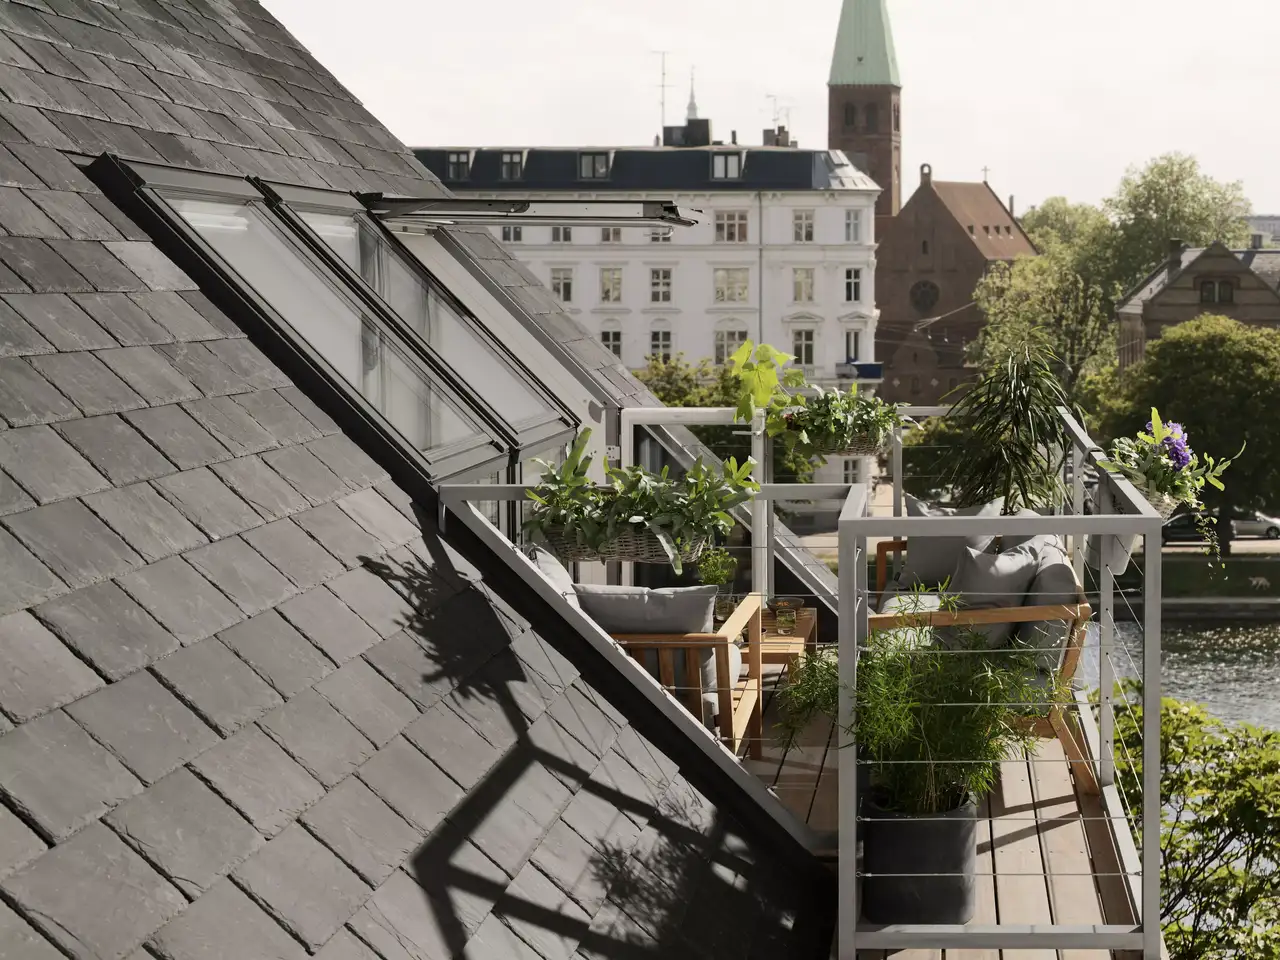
pixel 933 249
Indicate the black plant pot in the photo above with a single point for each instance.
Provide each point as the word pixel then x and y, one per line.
pixel 922 868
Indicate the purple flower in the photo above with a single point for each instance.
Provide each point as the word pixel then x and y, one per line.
pixel 1175 444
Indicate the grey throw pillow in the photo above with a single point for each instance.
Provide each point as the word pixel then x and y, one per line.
pixel 1054 583
pixel 985 581
pixel 549 566
pixel 930 560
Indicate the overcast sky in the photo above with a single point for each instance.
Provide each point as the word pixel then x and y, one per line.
pixel 1054 96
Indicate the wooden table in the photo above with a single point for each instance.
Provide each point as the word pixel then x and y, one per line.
pixel 776 648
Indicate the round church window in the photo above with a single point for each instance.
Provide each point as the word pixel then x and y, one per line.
pixel 924 295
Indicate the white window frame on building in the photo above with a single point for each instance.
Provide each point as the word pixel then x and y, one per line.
pixel 512 165
pixel 726 165
pixel 850 470
pixel 593 165
pixel 610 234
pixel 660 234
pixel 512 234
pixel 660 284
pixel 853 285
pixel 853 346
pixel 610 284
pixel 802 226
pixel 803 280
pixel 732 284
pixel 803 341
pixel 611 337
pixel 853 226
pixel 731 226
pixel 459 164
pixel 729 336
pixel 562 234
pixel 561 284
pixel 661 343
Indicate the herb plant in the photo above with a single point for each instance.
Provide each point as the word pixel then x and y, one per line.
pixel 834 421
pixel 717 567
pixel 677 512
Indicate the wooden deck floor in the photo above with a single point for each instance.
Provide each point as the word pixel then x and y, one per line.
pixel 1041 851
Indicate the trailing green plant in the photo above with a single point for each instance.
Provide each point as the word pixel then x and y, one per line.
pixel 677 511
pixel 716 567
pixel 763 378
pixel 833 421
pixel 1011 435
pixel 933 721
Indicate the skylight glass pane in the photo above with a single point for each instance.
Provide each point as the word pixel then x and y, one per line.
pixel 335 328
pixel 405 291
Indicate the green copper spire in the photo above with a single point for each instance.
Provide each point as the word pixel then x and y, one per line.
pixel 864 54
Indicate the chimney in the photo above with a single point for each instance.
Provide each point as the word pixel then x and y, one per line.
pixel 926 175
pixel 1257 241
pixel 1174 262
pixel 784 138
pixel 1011 213
pixel 733 137
pixel 769 138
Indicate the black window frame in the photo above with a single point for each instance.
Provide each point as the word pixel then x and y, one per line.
pixel 508 168
pixel 458 164
pixel 140 190
pixel 724 157
pixel 593 165
pixel 1208 291
pixel 1226 292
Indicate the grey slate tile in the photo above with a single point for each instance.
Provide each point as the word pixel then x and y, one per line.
pixel 415 672
pixel 277 416
pixel 226 917
pixel 259 778
pixel 94 262
pixel 567 860
pixel 576 762
pixel 37 673
pixel 261 487
pixel 208 503
pixel 27 398
pixel 453 857
pixel 46 465
pixel 348 461
pixel 143 724
pixel 53 167
pixel 19 845
pixel 411 784
pixel 550 664
pixel 149 374
pixel 182 600
pixel 360 828
pixel 532 889
pixel 305 473
pixel 73 543
pixel 338 534
pixel 179 437
pixel 88 382
pixel 94 896
pixel 218 685
pixel 324 619
pixel 127 228
pixel 176 315
pixel 279 654
pixel 377 603
pixel 215 317
pixel 155 269
pixel 120 317
pixel 313 732
pixel 494 940
pixel 73 215
pixel 106 627
pixel 10 282
pixel 115 449
pixel 19 339
pixel 453 745
pixel 12 497
pixel 59 778
pixel 294 554
pixel 248 362
pixel 585 721
pixel 39 267
pixel 61 320
pixel 20 217
pixel 308 408
pixel 242 574
pixel 379 518
pixel 35 127
pixel 210 375
pixel 187 830
pixel 373 706
pixel 146 521
pixel 309 890
pixel 346 946
pixel 401 923
pixel 231 425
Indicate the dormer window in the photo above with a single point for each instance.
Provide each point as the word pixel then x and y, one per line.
pixel 593 166
pixel 459 167
pixel 726 166
pixel 1217 291
pixel 1226 292
pixel 512 165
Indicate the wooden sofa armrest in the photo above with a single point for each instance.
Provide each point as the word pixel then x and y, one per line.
pixel 944 618
pixel 883 549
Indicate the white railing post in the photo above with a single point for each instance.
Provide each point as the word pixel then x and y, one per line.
pixel 1077 502
pixel 852 573
pixel 1151 808
pixel 1108 549
pixel 760 551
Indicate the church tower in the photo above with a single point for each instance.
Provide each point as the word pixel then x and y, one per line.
pixel 864 115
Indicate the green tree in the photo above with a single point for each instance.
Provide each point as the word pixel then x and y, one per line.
pixel 1059 222
pixel 1220 835
pixel 1221 380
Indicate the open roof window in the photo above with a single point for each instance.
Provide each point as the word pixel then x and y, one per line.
pixel 337 288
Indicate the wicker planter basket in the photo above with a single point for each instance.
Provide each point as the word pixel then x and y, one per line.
pixel 632 545
pixel 859 447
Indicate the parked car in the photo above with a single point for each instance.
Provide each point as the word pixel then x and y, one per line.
pixel 1252 524
pixel 1183 527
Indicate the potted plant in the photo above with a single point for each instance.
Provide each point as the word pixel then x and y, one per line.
pixel 763 378
pixel 717 567
pixel 636 515
pixel 932 724
pixel 1160 463
pixel 852 424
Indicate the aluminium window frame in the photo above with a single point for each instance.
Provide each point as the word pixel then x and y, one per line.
pixel 140 189
pixel 525 438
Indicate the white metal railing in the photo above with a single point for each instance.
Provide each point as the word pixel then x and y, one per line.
pixel 1120 513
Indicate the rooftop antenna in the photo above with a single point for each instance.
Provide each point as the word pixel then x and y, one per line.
pixel 692 113
pixel 663 86
pixel 781 114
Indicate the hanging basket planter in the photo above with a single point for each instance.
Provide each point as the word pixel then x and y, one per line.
pixel 865 446
pixel 632 545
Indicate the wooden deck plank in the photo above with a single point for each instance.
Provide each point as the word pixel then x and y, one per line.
pixel 1021 894
pixel 772 751
pixel 1073 894
pixel 986 907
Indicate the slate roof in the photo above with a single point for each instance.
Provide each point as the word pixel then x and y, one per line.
pixel 252 705
pixel 1264 263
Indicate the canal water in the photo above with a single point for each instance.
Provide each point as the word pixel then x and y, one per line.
pixel 1234 670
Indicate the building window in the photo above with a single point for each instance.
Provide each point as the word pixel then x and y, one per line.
pixel 512 165
pixel 802 284
pixel 1208 291
pixel 562 234
pixel 562 283
pixel 850 116
pixel 726 166
pixel 873 118
pixel 731 226
pixel 853 285
pixel 610 284
pixel 731 284
pixel 802 226
pixel 593 166
pixel 853 226
pixel 1226 292
pixel 802 347
pixel 459 164
pixel 850 467
pixel 924 245
pixel 610 234
pixel 660 234
pixel 611 337
pixel 852 346
pixel 660 344
pixel 512 234
pixel 897 118
pixel 660 285
pixel 915 385
pixel 728 340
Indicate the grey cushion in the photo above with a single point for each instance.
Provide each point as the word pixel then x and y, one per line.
pixel 902 600
pixel 1054 582
pixel 930 560
pixel 649 610
pixel 549 566
pixel 985 581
